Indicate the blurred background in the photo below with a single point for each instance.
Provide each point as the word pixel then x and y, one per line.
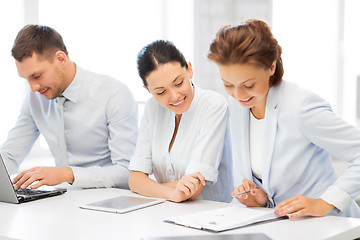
pixel 320 41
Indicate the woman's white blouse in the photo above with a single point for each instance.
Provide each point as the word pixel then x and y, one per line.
pixel 256 142
pixel 198 146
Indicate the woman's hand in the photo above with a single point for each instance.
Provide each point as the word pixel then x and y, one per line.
pixel 256 197
pixel 188 187
pixel 300 206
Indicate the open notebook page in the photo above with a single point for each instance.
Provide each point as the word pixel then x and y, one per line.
pixel 224 218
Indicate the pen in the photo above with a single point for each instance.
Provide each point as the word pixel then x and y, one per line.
pixel 240 193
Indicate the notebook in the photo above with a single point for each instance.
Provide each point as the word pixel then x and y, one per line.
pixel 122 204
pixel 226 218
pixel 8 193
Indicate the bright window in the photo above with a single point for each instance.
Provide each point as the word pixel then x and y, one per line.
pixel 12 87
pixel 351 102
pixel 105 36
pixel 307 32
pixel 101 36
pixel 321 49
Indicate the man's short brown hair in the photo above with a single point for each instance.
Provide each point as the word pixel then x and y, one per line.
pixel 42 40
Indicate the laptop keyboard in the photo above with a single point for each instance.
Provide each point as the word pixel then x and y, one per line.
pixel 28 191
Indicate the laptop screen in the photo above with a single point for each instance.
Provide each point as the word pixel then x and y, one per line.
pixel 7 192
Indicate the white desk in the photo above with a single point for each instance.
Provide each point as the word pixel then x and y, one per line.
pixel 61 218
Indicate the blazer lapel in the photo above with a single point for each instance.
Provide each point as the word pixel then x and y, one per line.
pixel 271 121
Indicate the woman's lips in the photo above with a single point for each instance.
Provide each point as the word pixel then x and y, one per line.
pixel 181 102
pixel 246 100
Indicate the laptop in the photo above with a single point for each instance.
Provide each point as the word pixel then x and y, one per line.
pixel 8 193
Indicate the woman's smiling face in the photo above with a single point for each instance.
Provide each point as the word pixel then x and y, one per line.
pixel 248 84
pixel 171 86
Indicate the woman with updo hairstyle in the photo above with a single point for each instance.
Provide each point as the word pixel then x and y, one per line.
pixel 282 136
pixel 183 136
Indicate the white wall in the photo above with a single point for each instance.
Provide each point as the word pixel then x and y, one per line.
pixel 209 16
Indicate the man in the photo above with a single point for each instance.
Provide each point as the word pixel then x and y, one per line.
pixel 88 120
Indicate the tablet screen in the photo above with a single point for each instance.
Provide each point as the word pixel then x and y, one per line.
pixel 122 204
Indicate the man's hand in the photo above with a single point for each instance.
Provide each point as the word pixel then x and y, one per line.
pixel 44 175
pixel 256 196
pixel 300 206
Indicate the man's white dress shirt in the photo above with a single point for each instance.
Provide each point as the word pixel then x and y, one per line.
pixel 94 131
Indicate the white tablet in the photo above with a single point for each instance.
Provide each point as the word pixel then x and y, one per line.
pixel 122 204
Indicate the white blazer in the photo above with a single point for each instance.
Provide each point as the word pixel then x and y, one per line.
pixel 301 133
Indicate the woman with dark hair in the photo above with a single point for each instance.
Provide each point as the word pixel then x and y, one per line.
pixel 182 133
pixel 282 135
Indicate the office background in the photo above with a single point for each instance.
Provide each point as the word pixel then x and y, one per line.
pixel 319 40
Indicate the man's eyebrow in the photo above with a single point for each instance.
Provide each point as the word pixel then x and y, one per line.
pixel 33 75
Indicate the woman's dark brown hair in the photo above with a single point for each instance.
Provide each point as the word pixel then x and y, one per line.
pixel 248 42
pixel 156 53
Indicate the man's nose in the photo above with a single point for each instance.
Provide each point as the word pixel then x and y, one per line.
pixel 34 86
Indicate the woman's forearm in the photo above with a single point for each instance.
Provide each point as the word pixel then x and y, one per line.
pixel 139 182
